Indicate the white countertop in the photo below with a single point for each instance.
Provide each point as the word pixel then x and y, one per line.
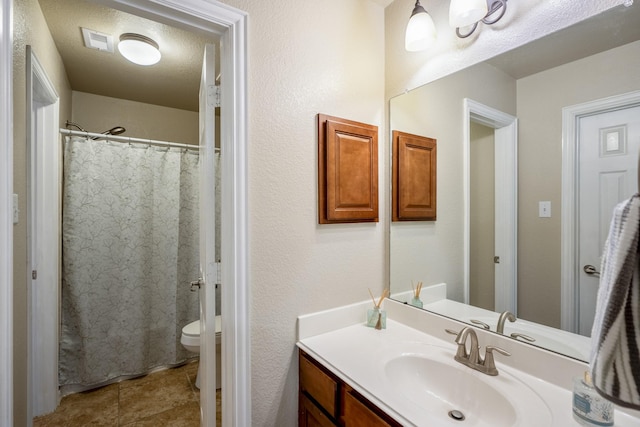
pixel 354 352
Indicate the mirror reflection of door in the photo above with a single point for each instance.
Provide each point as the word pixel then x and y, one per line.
pixel 609 144
pixel 494 164
pixel 482 217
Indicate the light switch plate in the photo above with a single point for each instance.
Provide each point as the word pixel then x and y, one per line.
pixel 544 209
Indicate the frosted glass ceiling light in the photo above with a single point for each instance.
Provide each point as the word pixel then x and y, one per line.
pixel 421 32
pixel 465 13
pixel 139 49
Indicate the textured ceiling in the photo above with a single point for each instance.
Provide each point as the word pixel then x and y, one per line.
pixel 602 32
pixel 173 82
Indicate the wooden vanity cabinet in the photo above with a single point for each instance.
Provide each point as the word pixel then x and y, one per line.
pixel 327 401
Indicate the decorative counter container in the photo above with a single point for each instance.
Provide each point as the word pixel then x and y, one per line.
pixel 377 318
pixel 416 302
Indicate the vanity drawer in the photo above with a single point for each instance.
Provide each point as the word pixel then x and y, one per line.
pixel 319 384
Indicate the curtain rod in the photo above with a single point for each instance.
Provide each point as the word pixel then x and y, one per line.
pixel 116 138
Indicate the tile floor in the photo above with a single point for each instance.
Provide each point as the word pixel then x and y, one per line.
pixel 165 398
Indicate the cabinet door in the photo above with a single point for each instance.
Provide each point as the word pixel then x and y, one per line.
pixel 358 414
pixel 414 178
pixel 347 171
pixel 311 416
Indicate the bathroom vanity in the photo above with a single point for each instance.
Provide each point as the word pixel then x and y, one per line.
pixel 326 400
pixel 406 375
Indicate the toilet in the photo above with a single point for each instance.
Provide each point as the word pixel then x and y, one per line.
pixel 190 340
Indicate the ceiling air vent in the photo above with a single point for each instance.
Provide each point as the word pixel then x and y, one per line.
pixel 96 40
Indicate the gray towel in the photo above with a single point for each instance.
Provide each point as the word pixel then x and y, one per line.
pixel 615 338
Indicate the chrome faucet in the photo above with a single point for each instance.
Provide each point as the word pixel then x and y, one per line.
pixel 472 359
pixel 504 316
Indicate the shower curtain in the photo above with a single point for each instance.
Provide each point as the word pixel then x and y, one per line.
pixel 130 250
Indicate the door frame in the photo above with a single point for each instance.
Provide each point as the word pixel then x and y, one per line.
pixel 43 154
pixel 506 141
pixel 6 213
pixel 570 268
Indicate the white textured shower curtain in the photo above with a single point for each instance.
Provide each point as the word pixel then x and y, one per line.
pixel 130 250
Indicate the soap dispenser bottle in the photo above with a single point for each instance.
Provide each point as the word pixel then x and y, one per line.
pixel 589 408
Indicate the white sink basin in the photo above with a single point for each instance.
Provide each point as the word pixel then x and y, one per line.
pixel 432 380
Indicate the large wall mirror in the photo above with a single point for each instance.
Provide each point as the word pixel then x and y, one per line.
pixel 535 148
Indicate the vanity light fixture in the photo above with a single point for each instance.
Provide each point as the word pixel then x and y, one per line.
pixel 463 13
pixel 139 49
pixel 421 32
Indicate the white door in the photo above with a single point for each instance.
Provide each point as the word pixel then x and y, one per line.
pixel 506 222
pixel 608 159
pixel 207 239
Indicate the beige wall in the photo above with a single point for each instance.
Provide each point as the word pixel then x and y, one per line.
pixel 541 98
pixel 482 217
pixel 97 113
pixel 432 251
pixel 305 58
pixel 29 29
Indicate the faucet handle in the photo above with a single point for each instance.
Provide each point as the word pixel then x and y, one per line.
pixel 489 362
pixel 481 324
pixel 517 335
pixel 451 332
pixel 502 351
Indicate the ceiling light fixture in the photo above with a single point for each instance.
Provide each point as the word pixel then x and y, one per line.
pixel 421 32
pixel 139 49
pixel 463 13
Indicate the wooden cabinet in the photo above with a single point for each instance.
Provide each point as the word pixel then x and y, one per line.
pixel 414 177
pixel 325 400
pixel 347 171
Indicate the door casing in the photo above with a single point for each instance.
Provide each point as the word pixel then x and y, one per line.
pixel 43 230
pixel 6 213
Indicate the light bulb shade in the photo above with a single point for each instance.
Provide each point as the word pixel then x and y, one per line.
pixel 463 13
pixel 421 32
pixel 139 49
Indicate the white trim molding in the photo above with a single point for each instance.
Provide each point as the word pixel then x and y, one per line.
pixel 43 228
pixel 6 213
pixel 571 116
pixel 506 177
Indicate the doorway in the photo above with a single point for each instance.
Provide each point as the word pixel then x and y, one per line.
pixel 482 226
pixel 600 168
pixel 505 181
pixel 231 25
